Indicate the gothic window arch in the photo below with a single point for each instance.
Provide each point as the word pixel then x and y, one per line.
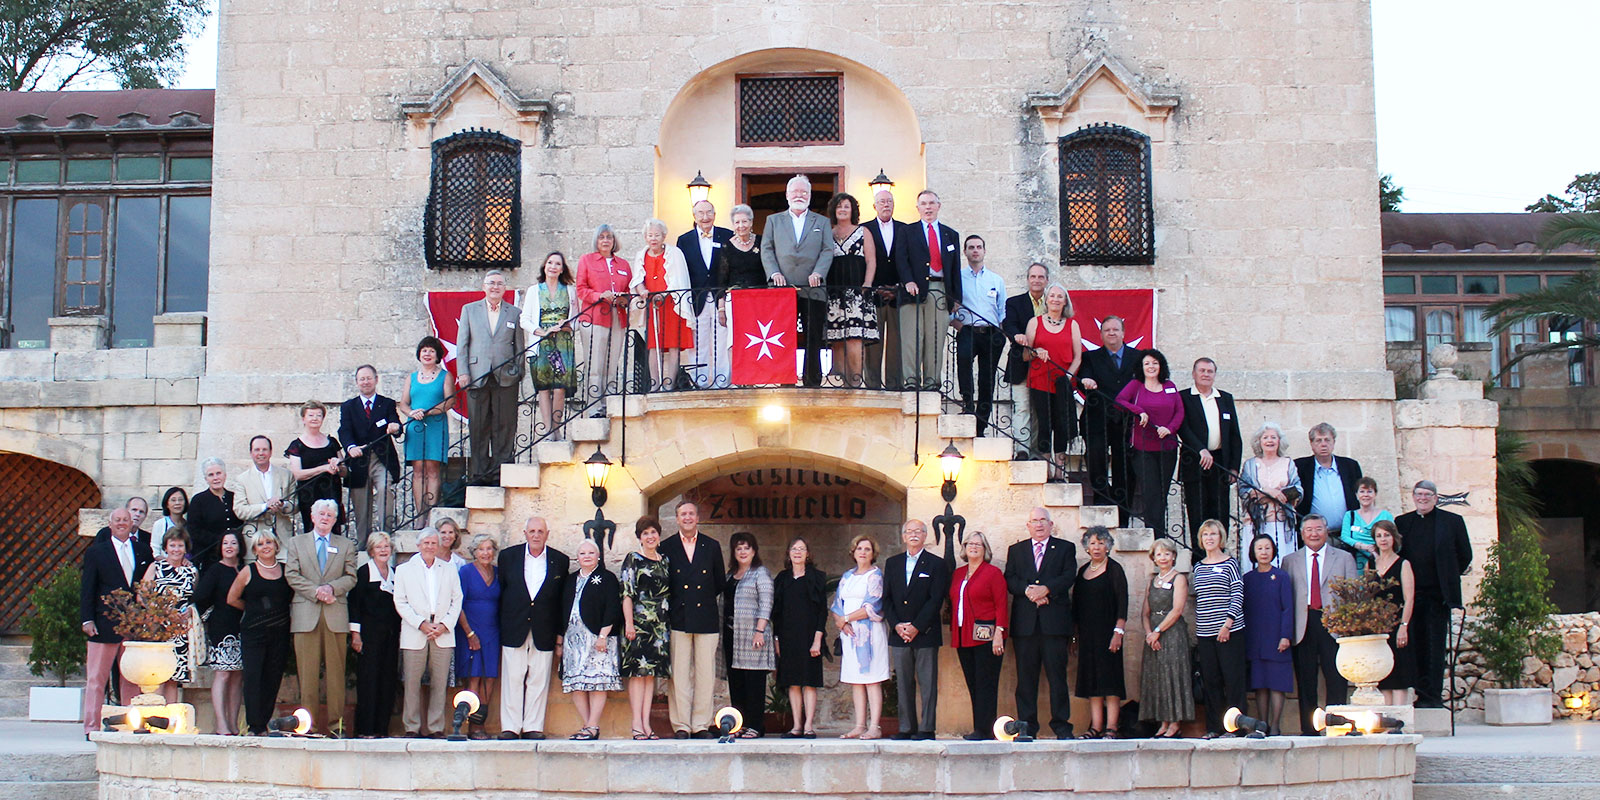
pixel 474 213
pixel 1107 216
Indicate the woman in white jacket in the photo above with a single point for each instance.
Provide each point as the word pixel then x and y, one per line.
pixel 551 304
pixel 663 279
pixel 427 594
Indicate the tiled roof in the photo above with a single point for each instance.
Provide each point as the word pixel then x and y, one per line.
pixel 1454 234
pixel 131 109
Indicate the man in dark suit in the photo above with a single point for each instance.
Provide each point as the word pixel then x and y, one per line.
pixel 914 586
pixel 108 566
pixel 797 250
pixel 531 579
pixel 489 345
pixel 1435 542
pixel 1212 449
pixel 138 508
pixel 927 265
pixel 368 423
pixel 700 247
pixel 1020 309
pixel 698 577
pixel 883 356
pixel 1313 569
pixel 1039 573
pixel 1103 374
pixel 1328 481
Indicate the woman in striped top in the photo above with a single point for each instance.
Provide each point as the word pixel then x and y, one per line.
pixel 1219 618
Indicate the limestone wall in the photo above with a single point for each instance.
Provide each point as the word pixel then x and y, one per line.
pixel 1573 673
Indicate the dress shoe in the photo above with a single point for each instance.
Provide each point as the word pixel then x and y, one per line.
pixel 922 736
pixel 507 736
pixel 412 735
pixel 902 736
pixel 536 736
pixel 680 734
pixel 707 734
pixel 976 737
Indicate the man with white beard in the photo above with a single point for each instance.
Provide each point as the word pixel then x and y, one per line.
pixel 797 250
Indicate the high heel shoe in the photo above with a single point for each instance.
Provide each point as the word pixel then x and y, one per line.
pixel 853 733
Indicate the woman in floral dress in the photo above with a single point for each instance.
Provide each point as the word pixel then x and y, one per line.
pixel 646 654
pixel 174 575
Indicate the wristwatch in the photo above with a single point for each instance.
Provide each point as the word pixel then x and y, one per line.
pixel 1117 630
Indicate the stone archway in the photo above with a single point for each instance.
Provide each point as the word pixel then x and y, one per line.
pixel 39 502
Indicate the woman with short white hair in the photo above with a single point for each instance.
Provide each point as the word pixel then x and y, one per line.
pixel 1269 485
pixel 211 513
pixel 663 280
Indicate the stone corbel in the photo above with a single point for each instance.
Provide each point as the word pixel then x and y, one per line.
pixel 1059 110
pixel 423 114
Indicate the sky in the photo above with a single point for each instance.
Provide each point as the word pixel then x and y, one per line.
pixel 1475 111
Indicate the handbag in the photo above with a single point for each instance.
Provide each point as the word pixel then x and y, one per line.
pixel 1017 364
pixel 983 630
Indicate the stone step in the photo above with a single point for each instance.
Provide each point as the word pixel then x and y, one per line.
pixel 50 790
pixel 1521 791
pixel 47 768
pixel 1493 770
pixel 14 706
pixel 14 653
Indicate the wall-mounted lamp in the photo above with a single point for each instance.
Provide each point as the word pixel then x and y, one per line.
pixel 603 531
pixel 880 184
pixel 699 188
pixel 949 526
pixel 950 466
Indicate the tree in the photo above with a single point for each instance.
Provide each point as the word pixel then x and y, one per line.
pixel 57 641
pixel 1578 298
pixel 1583 194
pixel 1390 196
pixel 1514 606
pixel 56 44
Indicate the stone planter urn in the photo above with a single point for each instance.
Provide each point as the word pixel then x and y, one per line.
pixel 1365 660
pixel 148 664
pixel 1518 706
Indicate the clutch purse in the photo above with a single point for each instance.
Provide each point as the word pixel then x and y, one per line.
pixel 983 630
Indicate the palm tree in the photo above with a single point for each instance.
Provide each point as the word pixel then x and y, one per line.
pixel 1578 298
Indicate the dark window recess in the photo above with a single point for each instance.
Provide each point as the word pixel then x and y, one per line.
pixel 1522 284
pixel 138 265
pixel 473 218
pixel 1438 284
pixel 1399 284
pixel 33 272
pixel 790 110
pixel 1107 216
pixel 188 252
pixel 1480 284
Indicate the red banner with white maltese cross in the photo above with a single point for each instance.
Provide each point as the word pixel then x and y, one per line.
pixel 762 328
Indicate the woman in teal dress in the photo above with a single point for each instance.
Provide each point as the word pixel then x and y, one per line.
pixel 552 304
pixel 424 400
pixel 646 651
pixel 1357 524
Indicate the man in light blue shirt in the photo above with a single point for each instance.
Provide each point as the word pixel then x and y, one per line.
pixel 979 339
pixel 1329 481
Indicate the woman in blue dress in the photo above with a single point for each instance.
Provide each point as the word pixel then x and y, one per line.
pixel 424 400
pixel 1268 630
pixel 478 629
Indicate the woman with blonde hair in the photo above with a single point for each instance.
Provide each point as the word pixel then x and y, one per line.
pixel 858 613
pixel 1269 485
pixel 662 281
pixel 1166 680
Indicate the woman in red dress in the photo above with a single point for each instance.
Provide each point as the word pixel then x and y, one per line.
pixel 663 279
pixel 1057 346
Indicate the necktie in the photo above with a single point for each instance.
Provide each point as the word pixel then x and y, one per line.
pixel 369 407
pixel 1116 359
pixel 1316 582
pixel 125 557
pixel 1038 555
pixel 935 263
pixel 322 554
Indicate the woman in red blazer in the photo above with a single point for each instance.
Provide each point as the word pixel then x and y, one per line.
pixel 979 616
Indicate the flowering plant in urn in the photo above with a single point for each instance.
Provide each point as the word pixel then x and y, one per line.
pixel 148 622
pixel 1361 619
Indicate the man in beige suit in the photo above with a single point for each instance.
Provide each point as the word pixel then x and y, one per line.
pixel 427 593
pixel 489 348
pixel 1313 569
pixel 797 250
pixel 320 567
pixel 263 497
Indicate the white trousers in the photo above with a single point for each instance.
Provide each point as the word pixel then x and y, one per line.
pixel 604 356
pixel 711 349
pixel 524 687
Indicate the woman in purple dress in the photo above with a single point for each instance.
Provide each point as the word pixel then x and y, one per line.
pixel 1269 629
pixel 1158 411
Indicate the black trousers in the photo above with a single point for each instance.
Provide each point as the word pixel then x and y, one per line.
pixel 377 680
pixel 1154 470
pixel 978 347
pixel 1315 653
pixel 1055 419
pixel 813 336
pixel 492 425
pixel 1205 496
pixel 747 691
pixel 1104 436
pixel 1430 628
pixel 1051 653
pixel 264 653
pixel 981 667
pixel 1222 671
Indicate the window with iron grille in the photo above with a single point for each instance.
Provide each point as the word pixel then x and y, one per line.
pixel 473 219
pixel 1106 212
pixel 790 110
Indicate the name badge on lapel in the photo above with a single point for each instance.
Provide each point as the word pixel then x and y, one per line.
pixel 511 325
pixel 1170 390
pixel 1226 415
pixel 715 245
pixel 332 550
pixel 949 248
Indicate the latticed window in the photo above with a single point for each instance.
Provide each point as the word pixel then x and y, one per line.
pixel 1106 213
pixel 83 272
pixel 790 110
pixel 473 219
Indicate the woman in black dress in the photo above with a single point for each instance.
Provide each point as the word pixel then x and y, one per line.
pixel 852 317
pixel 738 263
pixel 315 463
pixel 1100 610
pixel 222 631
pixel 211 513
pixel 375 636
pixel 799 612
pixel 263 594
pixel 1386 538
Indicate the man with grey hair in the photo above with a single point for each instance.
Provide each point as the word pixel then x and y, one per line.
pixel 489 345
pixel 138 508
pixel 1440 552
pixel 320 568
pixel 700 247
pixel 1039 574
pixel 368 424
pixel 927 264
pixel 797 250
pixel 883 355
pixel 427 595
pixel 1329 481
pixel 532 578
pixel 914 587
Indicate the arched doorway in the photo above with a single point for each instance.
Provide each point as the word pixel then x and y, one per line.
pixel 746 141
pixel 39 502
pixel 780 502
pixel 1569 521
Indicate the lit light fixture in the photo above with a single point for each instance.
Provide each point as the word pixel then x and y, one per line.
pixel 1576 701
pixel 699 188
pixel 950 465
pixel 774 413
pixel 296 724
pixel 1235 720
pixel 880 184
pixel 132 719
pixel 1007 729
pixel 729 721
pixel 597 468
pixel 949 526
pixel 466 706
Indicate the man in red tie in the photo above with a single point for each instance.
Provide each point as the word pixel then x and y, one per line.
pixel 1313 569
pixel 1039 574
pixel 927 262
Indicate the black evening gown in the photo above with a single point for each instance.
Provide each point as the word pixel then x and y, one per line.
pixel 207 519
pixel 1404 674
pixel 1097 604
